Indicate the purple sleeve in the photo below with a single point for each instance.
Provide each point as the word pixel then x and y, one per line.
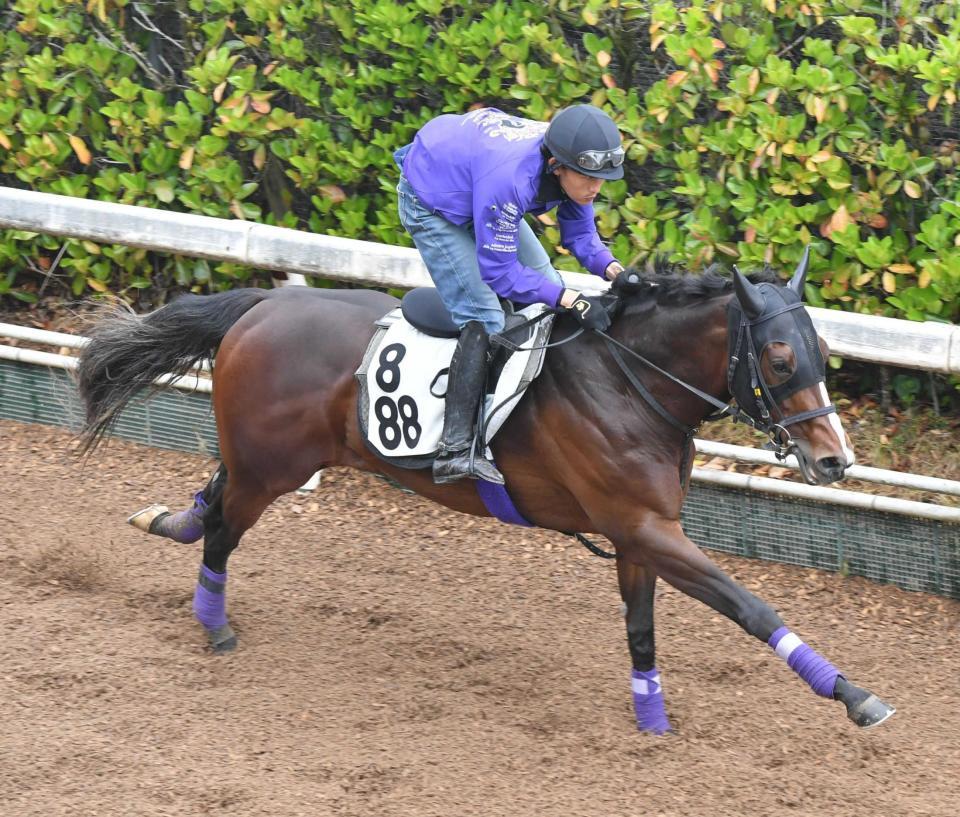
pixel 578 233
pixel 497 213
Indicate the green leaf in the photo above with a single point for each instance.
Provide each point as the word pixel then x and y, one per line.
pixel 163 190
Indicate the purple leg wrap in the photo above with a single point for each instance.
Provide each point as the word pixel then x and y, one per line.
pixel 210 598
pixel 806 662
pixel 186 526
pixel 648 702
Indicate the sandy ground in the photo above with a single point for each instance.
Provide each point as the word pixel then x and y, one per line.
pixel 399 659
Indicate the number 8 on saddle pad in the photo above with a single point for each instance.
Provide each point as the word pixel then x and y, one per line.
pixel 403 383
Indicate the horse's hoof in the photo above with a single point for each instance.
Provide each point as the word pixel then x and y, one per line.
pixel 223 639
pixel 658 733
pixel 142 520
pixel 870 712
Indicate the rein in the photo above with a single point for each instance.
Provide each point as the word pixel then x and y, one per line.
pixel 780 437
pixel 722 409
pixel 500 339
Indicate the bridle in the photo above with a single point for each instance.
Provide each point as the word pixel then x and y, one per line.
pixel 763 406
pixel 757 314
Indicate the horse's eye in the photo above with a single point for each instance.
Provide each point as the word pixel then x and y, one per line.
pixel 781 366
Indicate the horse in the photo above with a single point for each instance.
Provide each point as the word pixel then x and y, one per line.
pixel 601 442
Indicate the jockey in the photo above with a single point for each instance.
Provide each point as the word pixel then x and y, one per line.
pixel 466 182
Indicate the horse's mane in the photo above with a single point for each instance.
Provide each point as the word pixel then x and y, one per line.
pixel 670 283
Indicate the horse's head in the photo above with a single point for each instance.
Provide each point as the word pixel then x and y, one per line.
pixel 777 375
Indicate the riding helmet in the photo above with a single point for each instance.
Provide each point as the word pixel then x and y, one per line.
pixel 586 139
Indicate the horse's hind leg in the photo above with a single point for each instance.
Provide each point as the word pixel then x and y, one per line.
pixel 680 562
pixel 184 526
pixel 637 584
pixel 233 506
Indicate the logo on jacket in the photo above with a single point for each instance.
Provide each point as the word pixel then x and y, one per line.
pixel 499 125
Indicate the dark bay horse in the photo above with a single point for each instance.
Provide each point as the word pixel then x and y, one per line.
pixel 582 451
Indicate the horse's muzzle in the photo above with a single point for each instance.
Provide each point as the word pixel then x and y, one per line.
pixel 829 469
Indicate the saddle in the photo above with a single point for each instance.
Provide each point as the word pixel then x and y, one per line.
pixel 403 374
pixel 423 309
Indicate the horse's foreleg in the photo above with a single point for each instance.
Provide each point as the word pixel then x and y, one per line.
pixel 681 563
pixel 637 584
pixel 232 509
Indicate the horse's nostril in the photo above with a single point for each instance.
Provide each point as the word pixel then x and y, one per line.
pixel 832 467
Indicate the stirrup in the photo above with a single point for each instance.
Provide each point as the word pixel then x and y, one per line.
pixel 456 465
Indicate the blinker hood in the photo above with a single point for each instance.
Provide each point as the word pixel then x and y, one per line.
pixel 762 314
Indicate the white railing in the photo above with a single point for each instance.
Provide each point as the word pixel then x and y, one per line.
pixel 190 382
pixel 880 476
pixel 929 345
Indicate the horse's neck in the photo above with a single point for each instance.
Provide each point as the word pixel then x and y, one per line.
pixel 688 341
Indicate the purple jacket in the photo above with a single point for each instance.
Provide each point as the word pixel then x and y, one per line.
pixel 487 167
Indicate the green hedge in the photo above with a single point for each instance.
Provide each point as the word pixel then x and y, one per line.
pixel 753 127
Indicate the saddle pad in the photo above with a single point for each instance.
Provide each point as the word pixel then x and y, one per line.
pixel 403 383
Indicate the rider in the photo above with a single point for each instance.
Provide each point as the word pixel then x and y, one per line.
pixel 466 182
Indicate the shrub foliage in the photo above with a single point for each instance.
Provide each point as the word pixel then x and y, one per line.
pixel 754 127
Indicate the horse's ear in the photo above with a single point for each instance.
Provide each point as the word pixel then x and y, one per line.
pixel 749 296
pixel 796 283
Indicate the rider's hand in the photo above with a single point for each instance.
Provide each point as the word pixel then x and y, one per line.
pixel 589 310
pixel 627 282
pixel 614 268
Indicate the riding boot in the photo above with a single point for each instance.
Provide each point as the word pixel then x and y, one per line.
pixel 458 457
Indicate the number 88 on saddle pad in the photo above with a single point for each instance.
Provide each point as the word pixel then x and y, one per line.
pixel 403 384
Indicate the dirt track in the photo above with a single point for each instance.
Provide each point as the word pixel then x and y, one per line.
pixel 398 659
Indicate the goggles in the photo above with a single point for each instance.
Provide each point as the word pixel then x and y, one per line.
pixel 599 159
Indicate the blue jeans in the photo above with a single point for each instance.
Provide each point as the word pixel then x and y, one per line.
pixel 450 254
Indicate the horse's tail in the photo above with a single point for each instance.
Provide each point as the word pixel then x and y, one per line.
pixel 128 352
